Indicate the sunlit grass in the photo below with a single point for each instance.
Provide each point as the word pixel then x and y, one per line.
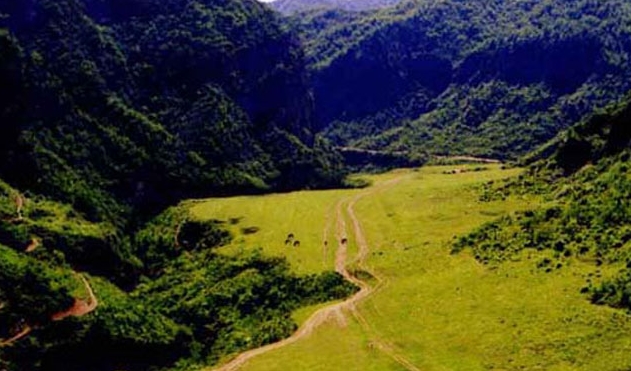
pixel 440 311
pixel 309 216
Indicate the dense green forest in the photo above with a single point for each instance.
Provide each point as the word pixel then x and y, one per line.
pixel 585 176
pixel 486 78
pixel 112 106
pixel 112 111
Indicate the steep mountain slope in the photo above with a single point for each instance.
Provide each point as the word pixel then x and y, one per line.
pixel 112 111
pixel 114 106
pixel 289 7
pixel 465 77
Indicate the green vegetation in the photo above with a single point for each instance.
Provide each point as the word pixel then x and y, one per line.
pixel 116 112
pixel 232 304
pixel 493 79
pixel 30 290
pixel 122 112
pixel 438 310
pixel 587 182
pixel 112 113
pixel 192 304
pixel 308 215
pixel 588 218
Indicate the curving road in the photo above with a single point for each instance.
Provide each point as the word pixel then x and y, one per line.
pixel 79 308
pixel 337 310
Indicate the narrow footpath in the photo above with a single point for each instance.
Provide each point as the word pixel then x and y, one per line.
pixel 79 308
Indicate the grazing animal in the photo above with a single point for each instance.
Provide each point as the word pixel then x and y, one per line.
pixel 287 242
pixel 344 241
pixel 296 243
pixel 326 243
pixel 290 236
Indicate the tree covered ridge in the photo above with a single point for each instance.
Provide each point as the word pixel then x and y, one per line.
pixel 493 79
pixel 112 111
pixel 113 107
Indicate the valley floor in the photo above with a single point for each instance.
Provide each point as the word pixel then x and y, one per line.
pixel 425 309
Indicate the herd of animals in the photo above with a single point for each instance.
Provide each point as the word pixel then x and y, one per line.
pixel 292 241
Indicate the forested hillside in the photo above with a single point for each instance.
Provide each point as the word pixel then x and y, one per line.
pixel 475 77
pixel 138 105
pixel 111 112
pixel 289 7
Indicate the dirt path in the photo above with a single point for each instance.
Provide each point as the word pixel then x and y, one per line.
pixel 33 245
pixel 319 317
pixel 80 307
pixel 337 310
pixel 19 205
pixel 342 240
pixel 25 331
pixel 376 340
pixel 482 160
pixel 178 229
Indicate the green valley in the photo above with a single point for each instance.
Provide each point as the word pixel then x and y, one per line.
pixel 432 310
pixel 315 185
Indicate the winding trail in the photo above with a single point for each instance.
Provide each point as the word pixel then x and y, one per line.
pixel 376 341
pixel 79 308
pixel 35 243
pixel 320 316
pixel 19 205
pixel 25 331
pixel 336 311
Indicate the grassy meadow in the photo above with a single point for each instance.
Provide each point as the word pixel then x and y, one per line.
pixel 266 221
pixel 435 310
